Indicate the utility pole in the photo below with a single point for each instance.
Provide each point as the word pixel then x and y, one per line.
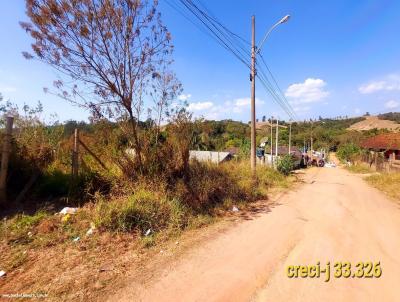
pixel 290 136
pixel 253 96
pixel 311 146
pixel 276 141
pixel 272 141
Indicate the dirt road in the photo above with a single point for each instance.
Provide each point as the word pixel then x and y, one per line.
pixel 333 216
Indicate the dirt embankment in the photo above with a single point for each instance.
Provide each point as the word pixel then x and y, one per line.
pixel 373 122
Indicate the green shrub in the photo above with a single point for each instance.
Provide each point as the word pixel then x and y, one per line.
pixel 285 164
pixel 348 152
pixel 17 228
pixel 142 211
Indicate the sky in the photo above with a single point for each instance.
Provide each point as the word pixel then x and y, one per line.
pixel 332 58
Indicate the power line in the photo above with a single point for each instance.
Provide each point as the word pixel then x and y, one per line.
pixel 277 85
pixel 195 11
pixel 233 43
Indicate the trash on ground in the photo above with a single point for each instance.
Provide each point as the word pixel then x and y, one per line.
pixel 330 165
pixel 68 210
pixel 148 232
pixel 66 218
pixel 76 239
pixel 106 269
pixel 89 232
pixel 235 209
pixel 177 242
pixel 2 273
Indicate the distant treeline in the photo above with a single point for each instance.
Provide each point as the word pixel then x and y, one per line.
pixel 391 116
pixel 326 133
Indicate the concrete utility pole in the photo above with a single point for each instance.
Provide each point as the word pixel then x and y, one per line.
pixel 253 95
pixel 4 159
pixel 276 140
pixel 311 145
pixel 254 51
pixel 272 141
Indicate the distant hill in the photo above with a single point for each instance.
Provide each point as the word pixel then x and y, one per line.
pixel 375 122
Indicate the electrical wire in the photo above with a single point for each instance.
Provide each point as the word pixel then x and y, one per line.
pixel 233 43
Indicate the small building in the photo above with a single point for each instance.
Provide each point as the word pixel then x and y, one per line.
pixel 387 143
pixel 282 151
pixel 384 151
pixel 210 156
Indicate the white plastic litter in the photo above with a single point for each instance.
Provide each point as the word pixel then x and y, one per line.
pixel 2 273
pixel 89 232
pixel 330 165
pixel 76 239
pixel 148 232
pixel 68 210
pixel 235 209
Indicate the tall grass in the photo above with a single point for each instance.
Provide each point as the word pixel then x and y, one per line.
pixel 161 206
pixel 359 168
pixel 387 182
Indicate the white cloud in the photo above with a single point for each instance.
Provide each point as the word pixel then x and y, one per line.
pixel 311 90
pixel 200 106
pixel 389 83
pixel 212 111
pixel 240 104
pixel 357 111
pixel 184 97
pixel 392 104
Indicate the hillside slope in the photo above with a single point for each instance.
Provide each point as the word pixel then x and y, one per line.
pixel 373 122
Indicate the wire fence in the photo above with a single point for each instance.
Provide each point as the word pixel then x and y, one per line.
pixel 379 163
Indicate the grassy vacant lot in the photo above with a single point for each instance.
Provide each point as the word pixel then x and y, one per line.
pixel 387 182
pixel 50 253
pixel 359 169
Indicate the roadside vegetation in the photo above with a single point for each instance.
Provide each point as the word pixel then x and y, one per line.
pixel 359 168
pixel 386 182
pixel 135 186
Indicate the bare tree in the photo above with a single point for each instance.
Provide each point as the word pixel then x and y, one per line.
pixel 111 54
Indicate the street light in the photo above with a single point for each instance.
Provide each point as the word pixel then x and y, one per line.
pixel 254 52
pixel 281 21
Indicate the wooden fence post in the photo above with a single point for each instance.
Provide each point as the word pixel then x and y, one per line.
pixel 4 159
pixel 75 155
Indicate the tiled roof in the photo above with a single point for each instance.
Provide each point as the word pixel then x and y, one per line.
pixel 383 141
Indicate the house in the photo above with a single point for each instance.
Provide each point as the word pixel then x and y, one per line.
pixel 210 156
pixel 283 150
pixel 387 143
pixel 384 152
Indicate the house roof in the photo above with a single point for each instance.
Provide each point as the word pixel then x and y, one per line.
pixel 382 141
pixel 282 150
pixel 209 156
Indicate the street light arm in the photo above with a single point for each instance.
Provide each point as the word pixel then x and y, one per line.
pixel 283 20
